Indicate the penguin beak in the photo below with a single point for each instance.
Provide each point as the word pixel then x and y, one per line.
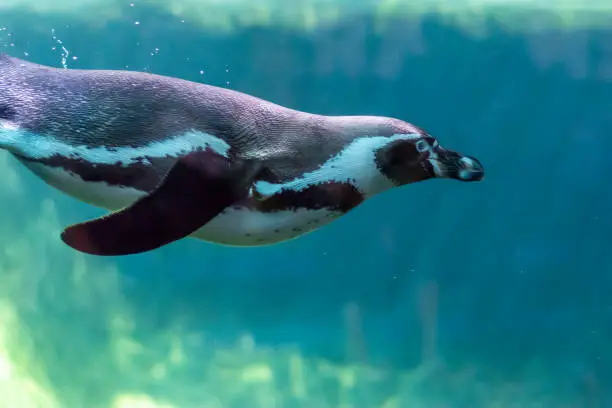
pixel 450 164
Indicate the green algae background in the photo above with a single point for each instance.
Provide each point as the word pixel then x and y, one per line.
pixel 435 295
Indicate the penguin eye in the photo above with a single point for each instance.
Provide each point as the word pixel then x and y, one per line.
pixel 422 146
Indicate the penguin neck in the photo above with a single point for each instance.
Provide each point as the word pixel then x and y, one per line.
pixel 352 164
pixel 356 163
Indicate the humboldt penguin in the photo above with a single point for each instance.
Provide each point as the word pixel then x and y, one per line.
pixel 170 158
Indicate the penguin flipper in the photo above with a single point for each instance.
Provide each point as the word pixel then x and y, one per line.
pixel 195 190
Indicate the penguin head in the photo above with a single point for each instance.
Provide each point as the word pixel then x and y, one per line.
pixel 418 156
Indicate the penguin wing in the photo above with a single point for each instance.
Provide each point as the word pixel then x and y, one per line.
pixel 195 190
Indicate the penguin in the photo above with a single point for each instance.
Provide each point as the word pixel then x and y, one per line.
pixel 170 159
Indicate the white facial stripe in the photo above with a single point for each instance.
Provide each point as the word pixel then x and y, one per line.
pixel 436 167
pixel 355 163
pixel 433 159
pixel 36 146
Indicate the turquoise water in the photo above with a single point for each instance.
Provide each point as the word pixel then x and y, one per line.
pixel 441 294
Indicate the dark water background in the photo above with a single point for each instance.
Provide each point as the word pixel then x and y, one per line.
pixel 516 270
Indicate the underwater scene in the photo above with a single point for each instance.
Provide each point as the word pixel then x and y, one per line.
pixel 436 294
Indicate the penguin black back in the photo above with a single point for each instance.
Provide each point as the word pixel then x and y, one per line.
pixel 123 108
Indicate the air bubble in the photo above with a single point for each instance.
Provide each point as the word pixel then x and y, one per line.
pixel 65 53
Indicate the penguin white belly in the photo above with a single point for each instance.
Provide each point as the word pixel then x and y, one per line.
pixel 236 226
pixel 99 194
pixel 240 226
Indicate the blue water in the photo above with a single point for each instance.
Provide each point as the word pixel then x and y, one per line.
pixel 501 289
